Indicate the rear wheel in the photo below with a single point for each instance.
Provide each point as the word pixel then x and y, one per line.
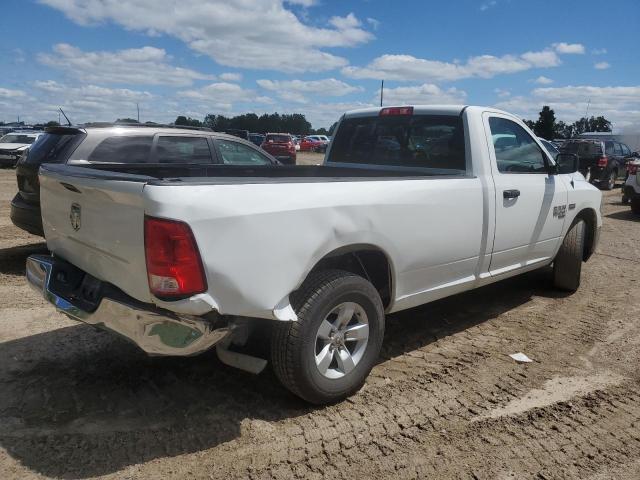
pixel 635 205
pixel 327 354
pixel 610 183
pixel 567 266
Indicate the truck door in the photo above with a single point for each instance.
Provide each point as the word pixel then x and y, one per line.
pixel 530 202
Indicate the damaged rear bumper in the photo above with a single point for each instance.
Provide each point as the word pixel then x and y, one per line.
pixel 156 331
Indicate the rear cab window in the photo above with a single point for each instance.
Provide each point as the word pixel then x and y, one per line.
pixel 582 148
pixel 425 143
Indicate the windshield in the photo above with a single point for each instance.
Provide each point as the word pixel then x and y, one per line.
pixel 278 138
pixel 18 138
pixel 434 142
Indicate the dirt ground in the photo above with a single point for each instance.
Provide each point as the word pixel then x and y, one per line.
pixel 445 400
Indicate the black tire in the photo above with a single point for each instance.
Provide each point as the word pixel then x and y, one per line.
pixel 567 265
pixel 293 344
pixel 635 205
pixel 610 183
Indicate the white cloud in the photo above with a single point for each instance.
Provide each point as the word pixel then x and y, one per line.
pixel 408 67
pixel 303 3
pixel 235 33
pixel 599 51
pixel 141 66
pixel 601 66
pixel 542 80
pixel 295 90
pixel 11 93
pixel 375 23
pixel 569 48
pixel 230 77
pixel 502 93
pixel 425 94
pixel 223 96
pixel 620 104
pixel 488 5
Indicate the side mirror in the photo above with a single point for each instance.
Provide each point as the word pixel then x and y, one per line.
pixel 567 162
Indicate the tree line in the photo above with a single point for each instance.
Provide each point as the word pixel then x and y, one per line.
pixel 547 127
pixel 268 122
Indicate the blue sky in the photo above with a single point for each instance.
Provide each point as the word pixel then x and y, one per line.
pixel 98 58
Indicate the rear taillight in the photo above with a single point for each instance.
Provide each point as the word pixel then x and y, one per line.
pixel 603 161
pixel 389 111
pixel 632 168
pixel 174 267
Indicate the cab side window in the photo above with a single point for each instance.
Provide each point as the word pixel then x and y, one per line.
pixel 234 153
pixel 618 149
pixel 516 151
pixel 625 150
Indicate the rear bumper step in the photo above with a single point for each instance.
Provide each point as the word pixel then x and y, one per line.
pixel 154 330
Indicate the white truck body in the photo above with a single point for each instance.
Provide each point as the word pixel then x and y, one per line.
pixel 260 235
pixel 260 238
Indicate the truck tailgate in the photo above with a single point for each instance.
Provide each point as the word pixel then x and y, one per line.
pixel 96 222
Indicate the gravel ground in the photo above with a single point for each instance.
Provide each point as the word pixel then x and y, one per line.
pixel 444 401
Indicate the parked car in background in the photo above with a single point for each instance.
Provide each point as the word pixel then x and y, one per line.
pixel 281 146
pixel 244 134
pixel 315 255
pixel 601 162
pixel 296 142
pixel 168 151
pixel 14 144
pixel 256 139
pixel 631 188
pixel 320 138
pixel 308 144
pixel 550 146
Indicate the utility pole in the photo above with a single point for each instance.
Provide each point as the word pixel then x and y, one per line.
pixel 586 114
pixel 138 108
pixel 381 92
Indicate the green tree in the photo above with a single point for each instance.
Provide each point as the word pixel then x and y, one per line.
pixel 592 124
pixel 529 123
pixel 563 130
pixel 546 124
pixel 52 123
pixel 126 120
pixel 187 121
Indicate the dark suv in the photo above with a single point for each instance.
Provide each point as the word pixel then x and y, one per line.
pixel 602 162
pixel 165 150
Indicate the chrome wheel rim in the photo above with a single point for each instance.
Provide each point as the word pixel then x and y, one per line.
pixel 341 340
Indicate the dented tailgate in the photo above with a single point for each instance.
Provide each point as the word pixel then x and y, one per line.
pixel 95 220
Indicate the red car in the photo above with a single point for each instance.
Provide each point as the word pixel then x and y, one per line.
pixel 308 144
pixel 281 146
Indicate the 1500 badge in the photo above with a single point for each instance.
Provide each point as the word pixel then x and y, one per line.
pixel 560 211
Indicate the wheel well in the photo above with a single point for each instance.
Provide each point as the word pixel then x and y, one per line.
pixel 590 218
pixel 365 260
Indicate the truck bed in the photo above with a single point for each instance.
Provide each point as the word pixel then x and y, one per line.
pixel 156 174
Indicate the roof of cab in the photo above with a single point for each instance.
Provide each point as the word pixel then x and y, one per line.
pixel 424 110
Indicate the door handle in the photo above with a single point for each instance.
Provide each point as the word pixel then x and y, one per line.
pixel 511 193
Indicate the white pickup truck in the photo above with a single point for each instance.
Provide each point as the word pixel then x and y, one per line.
pixel 411 205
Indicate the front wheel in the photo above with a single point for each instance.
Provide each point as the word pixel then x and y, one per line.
pixel 567 266
pixel 327 354
pixel 635 205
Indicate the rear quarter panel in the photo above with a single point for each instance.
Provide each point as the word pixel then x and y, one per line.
pixel 259 241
